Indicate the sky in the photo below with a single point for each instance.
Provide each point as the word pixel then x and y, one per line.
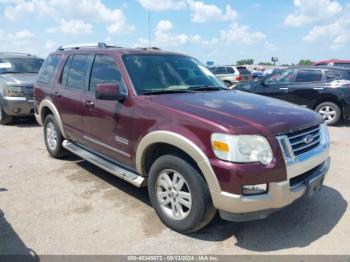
pixel 222 31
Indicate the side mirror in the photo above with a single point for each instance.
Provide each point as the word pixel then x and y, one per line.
pixel 109 91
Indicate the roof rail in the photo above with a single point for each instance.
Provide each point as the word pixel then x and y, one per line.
pixel 87 45
pixel 149 48
pixel 14 53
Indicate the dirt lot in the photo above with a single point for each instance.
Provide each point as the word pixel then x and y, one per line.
pixel 71 207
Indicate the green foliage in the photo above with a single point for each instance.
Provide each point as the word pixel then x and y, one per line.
pixel 266 63
pixel 247 61
pixel 305 62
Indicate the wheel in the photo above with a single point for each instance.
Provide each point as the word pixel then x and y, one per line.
pixel 179 194
pixel 5 118
pixel 227 83
pixel 330 112
pixel 53 137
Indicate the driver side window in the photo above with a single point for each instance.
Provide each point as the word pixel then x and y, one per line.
pixel 285 76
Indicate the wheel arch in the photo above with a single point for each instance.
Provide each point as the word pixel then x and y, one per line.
pixel 178 142
pixel 328 98
pixel 47 107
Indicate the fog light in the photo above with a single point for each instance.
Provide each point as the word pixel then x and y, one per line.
pixel 254 189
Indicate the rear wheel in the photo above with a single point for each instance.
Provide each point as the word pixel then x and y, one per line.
pixel 331 112
pixel 179 194
pixel 5 118
pixel 227 83
pixel 53 137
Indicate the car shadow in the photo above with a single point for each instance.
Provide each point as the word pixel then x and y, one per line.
pixel 12 248
pixel 297 225
pixel 26 122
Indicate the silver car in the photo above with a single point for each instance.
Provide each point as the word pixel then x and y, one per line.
pixel 18 73
pixel 231 75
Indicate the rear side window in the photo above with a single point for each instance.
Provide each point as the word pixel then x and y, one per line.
pixel 220 70
pixel 230 70
pixel 309 76
pixel 104 70
pixel 77 72
pixel 64 75
pixel 331 74
pixel 347 65
pixel 48 69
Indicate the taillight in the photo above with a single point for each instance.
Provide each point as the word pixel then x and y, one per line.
pixel 239 78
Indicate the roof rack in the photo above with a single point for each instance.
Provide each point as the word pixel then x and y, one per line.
pixel 87 45
pixel 14 53
pixel 149 48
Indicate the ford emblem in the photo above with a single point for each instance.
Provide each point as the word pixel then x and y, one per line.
pixel 308 139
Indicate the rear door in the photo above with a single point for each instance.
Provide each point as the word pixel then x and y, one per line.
pixel 72 84
pixel 309 84
pixel 108 124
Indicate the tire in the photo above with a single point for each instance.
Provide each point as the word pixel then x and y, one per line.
pixel 194 216
pixel 227 83
pixel 331 112
pixel 53 137
pixel 5 119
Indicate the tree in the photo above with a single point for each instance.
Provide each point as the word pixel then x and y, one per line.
pixel 266 63
pixel 305 62
pixel 247 61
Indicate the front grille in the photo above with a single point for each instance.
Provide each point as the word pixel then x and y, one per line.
pixel 304 140
pixel 29 92
pixel 301 179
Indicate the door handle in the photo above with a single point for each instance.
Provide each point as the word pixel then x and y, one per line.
pixel 89 104
pixel 57 94
pixel 285 89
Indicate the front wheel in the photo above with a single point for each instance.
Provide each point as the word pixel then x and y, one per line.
pixel 53 137
pixel 330 112
pixel 179 194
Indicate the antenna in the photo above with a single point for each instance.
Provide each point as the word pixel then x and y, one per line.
pixel 149 27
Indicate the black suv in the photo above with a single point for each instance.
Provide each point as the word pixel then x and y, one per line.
pixel 323 89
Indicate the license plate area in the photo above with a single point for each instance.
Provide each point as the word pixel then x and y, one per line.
pixel 314 185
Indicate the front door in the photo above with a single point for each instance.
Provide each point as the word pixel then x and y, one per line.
pixel 107 124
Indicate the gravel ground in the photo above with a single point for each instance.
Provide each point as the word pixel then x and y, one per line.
pixel 69 206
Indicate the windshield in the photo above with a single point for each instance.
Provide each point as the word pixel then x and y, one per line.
pixel 168 73
pixel 20 65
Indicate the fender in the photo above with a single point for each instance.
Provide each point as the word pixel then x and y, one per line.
pixel 47 103
pixel 185 145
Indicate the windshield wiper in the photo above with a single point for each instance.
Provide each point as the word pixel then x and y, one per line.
pixel 207 88
pixel 165 91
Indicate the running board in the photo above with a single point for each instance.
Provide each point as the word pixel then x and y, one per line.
pixel 106 165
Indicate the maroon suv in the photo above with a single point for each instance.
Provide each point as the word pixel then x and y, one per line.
pixel 163 120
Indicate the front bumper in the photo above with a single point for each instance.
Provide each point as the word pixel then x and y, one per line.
pixel 17 106
pixel 314 163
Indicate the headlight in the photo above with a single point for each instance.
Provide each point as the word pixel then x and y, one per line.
pixel 14 91
pixel 242 148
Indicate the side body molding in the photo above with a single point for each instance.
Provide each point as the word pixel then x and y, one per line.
pixel 47 103
pixel 185 145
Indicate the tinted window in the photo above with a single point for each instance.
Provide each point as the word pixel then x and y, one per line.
pixel 212 69
pixel 104 70
pixel 330 75
pixel 48 69
pixel 77 72
pixel 64 75
pixel 220 70
pixel 20 65
pixel 283 76
pixel 230 70
pixel 309 76
pixel 347 65
pixel 243 70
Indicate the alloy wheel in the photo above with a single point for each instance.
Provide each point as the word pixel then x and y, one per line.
pixel 173 194
pixel 328 113
pixel 51 136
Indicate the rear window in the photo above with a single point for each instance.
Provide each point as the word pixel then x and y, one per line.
pixel 48 69
pixel 243 70
pixel 331 74
pixel 309 76
pixel 230 70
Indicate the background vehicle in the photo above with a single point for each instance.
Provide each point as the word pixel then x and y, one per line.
pixel 323 89
pixel 256 75
pixel 163 120
pixel 231 75
pixel 17 76
pixel 337 63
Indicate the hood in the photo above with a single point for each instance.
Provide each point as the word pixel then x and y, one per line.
pixel 20 79
pixel 243 112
